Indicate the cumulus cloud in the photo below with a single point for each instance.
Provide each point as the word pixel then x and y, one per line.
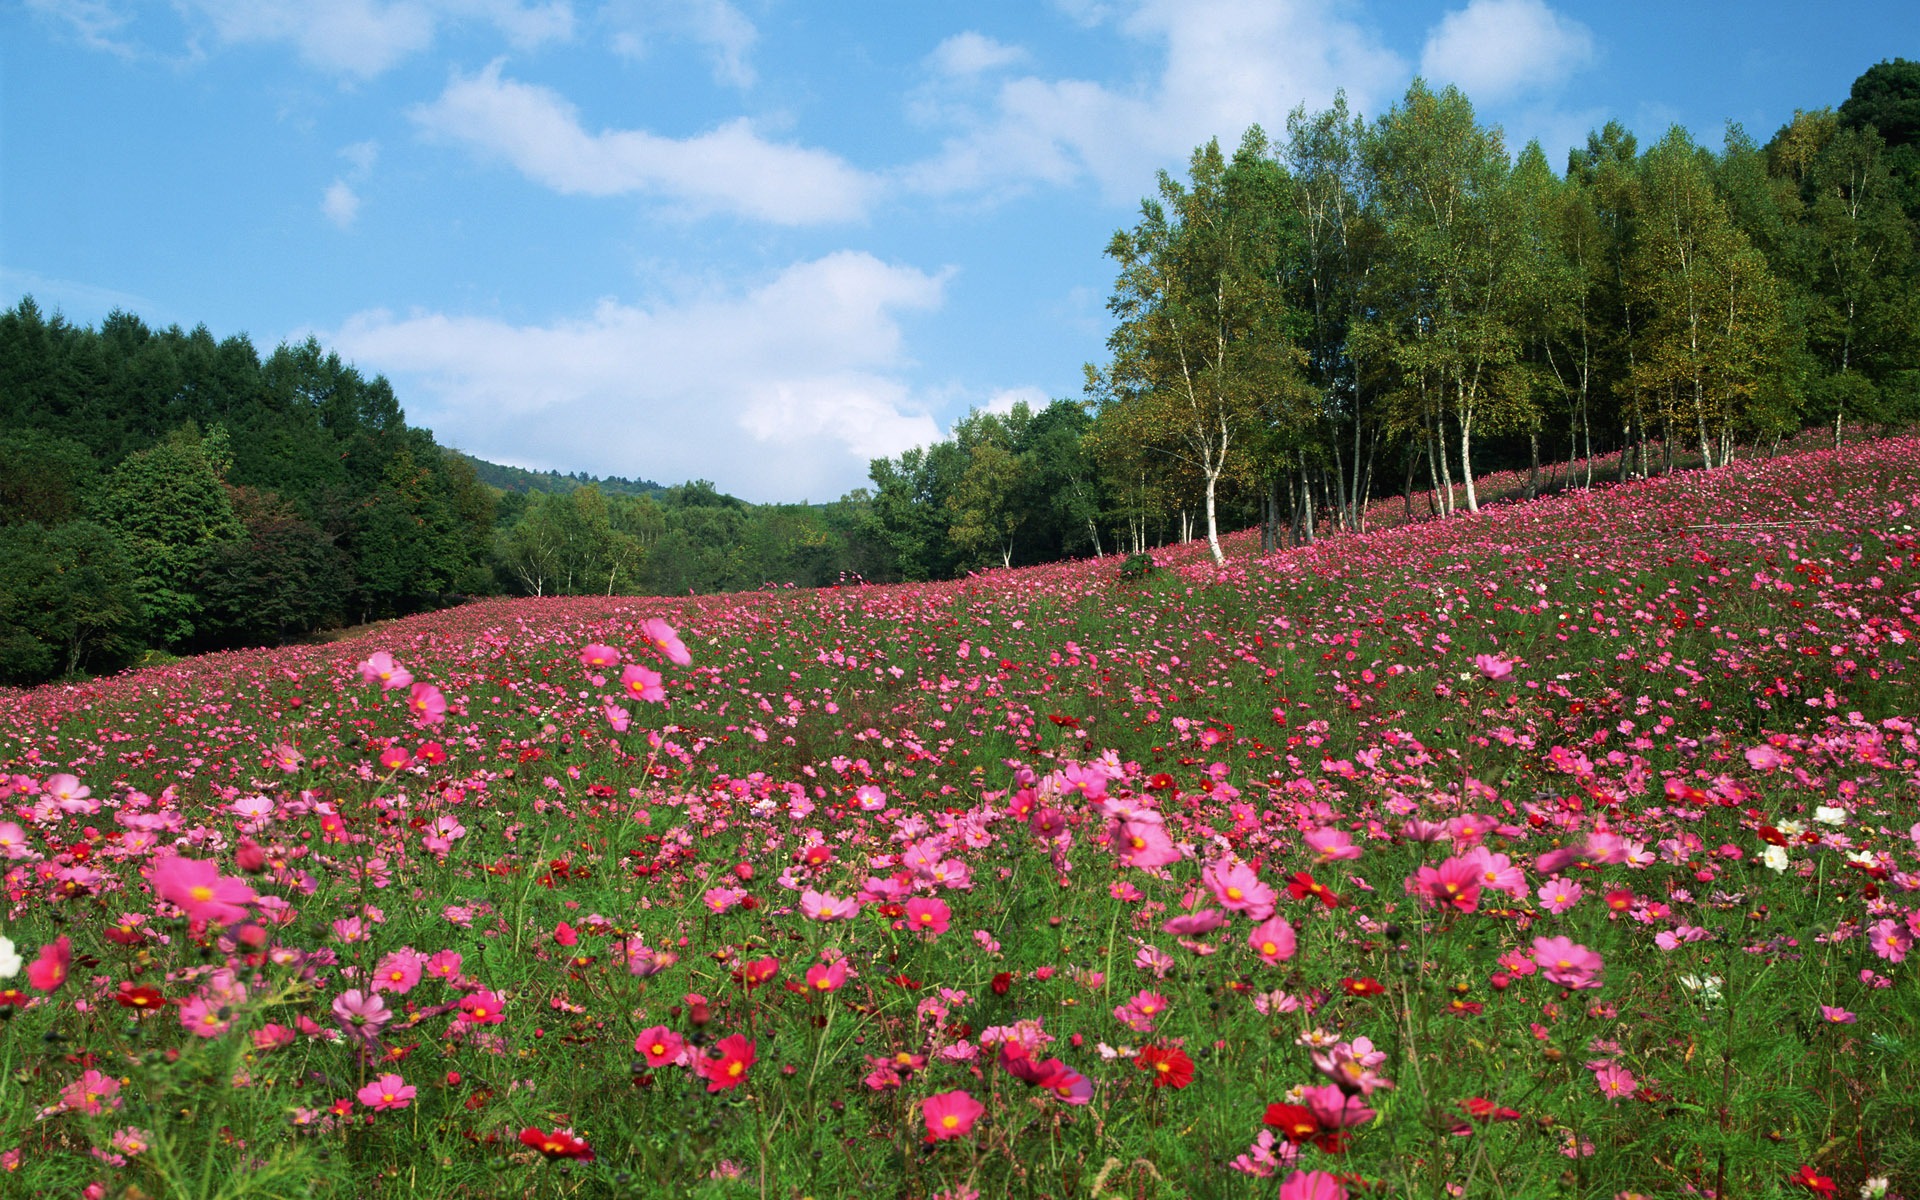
pixel 1495 49
pixel 341 204
pixel 780 392
pixel 967 54
pixel 1227 65
pixel 728 169
pixel 716 25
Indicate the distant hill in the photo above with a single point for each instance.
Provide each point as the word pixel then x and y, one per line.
pixel 519 479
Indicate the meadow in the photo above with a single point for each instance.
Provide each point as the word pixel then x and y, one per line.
pixel 1567 850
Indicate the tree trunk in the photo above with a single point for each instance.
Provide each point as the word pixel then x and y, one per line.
pixel 1213 526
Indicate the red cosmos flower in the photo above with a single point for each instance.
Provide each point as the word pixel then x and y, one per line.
pixel 560 1143
pixel 757 972
pixel 1295 1122
pixel 729 1070
pixel 1303 885
pixel 1002 983
pixel 1160 782
pixel 144 999
pixel 1366 985
pixel 1482 1109
pixel 1170 1065
pixel 1812 1180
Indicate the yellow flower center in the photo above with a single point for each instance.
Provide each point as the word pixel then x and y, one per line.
pixel 1234 893
pixel 201 893
pixel 949 1122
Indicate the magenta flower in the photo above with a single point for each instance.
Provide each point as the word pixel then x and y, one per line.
pixel 426 704
pixel 660 1046
pixel 642 684
pixel 388 1091
pixel 927 915
pixel 596 656
pixel 1615 1081
pixel 361 1014
pixel 380 668
pixel 1837 1016
pixel 1453 884
pixel 661 636
pixel 399 971
pixel 92 1093
pixel 1567 962
pixel 1312 1185
pixel 1273 940
pixel 1145 844
pixel 1493 666
pixel 950 1115
pixel 1559 895
pixel 198 888
pixel 1238 889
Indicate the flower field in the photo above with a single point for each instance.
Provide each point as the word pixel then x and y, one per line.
pixel 1571 850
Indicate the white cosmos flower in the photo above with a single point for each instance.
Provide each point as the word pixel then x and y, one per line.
pixel 10 961
pixel 1774 857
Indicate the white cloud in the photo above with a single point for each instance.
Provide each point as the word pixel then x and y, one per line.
pixel 1494 49
pixel 1228 64
pixel 717 25
pixel 367 37
pixel 729 169
pixel 341 204
pixel 1002 401
pixel 781 392
pixel 968 54
pixel 98 24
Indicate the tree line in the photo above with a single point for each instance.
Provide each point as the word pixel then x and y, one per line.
pixel 1364 307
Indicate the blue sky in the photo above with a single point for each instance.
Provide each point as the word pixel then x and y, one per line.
pixel 754 241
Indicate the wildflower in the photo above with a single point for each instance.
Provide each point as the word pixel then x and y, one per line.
pixel 1170 1065
pixel 426 704
pixel 481 1008
pixel 1615 1082
pixel 950 1115
pixel 818 906
pixel 200 890
pixel 1366 985
pixel 1238 889
pixel 1304 885
pixel 1567 962
pixel 388 1091
pixel 1454 884
pixel 827 977
pixel 10 960
pixel 660 1046
pixel 1145 844
pixel 561 1143
pixel 642 684
pixel 1559 895
pixel 399 971
pixel 1838 1016
pixel 596 656
pixel 92 1093
pixel 1312 1185
pixel 1493 667
pixel 1331 844
pixel 929 916
pixel 729 1068
pixel 661 636
pixel 47 972
pixel 1350 1071
pixel 1806 1176
pixel 1273 940
pixel 361 1014
pixel 382 669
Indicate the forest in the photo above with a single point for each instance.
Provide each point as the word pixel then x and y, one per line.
pixel 1354 310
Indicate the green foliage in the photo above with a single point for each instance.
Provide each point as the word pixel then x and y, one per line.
pixel 170 509
pixel 283 580
pixel 43 477
pixel 68 602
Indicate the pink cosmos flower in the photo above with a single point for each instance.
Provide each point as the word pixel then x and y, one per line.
pixel 1889 940
pixel 1273 940
pixel 380 668
pixel 661 636
pixel 1765 758
pixel 388 1091
pixel 1493 666
pixel 483 1007
pixel 1350 1069
pixel 426 704
pixel 1499 872
pixel 47 972
pixel 199 888
pixel 1615 1082
pixel 818 906
pixel 1238 889
pixel 444 964
pixel 361 1014
pixel 1192 924
pixel 1454 884
pixel 950 1115
pixel 619 719
pixel 827 977
pixel 1331 844
pixel 1559 895
pixel 200 1016
pixel 642 684
pixel 1838 1016
pixel 1145 844
pixel 399 971
pixel 92 1093
pixel 660 1046
pixel 1567 962
pixel 596 656
pixel 927 915
pixel 1312 1185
